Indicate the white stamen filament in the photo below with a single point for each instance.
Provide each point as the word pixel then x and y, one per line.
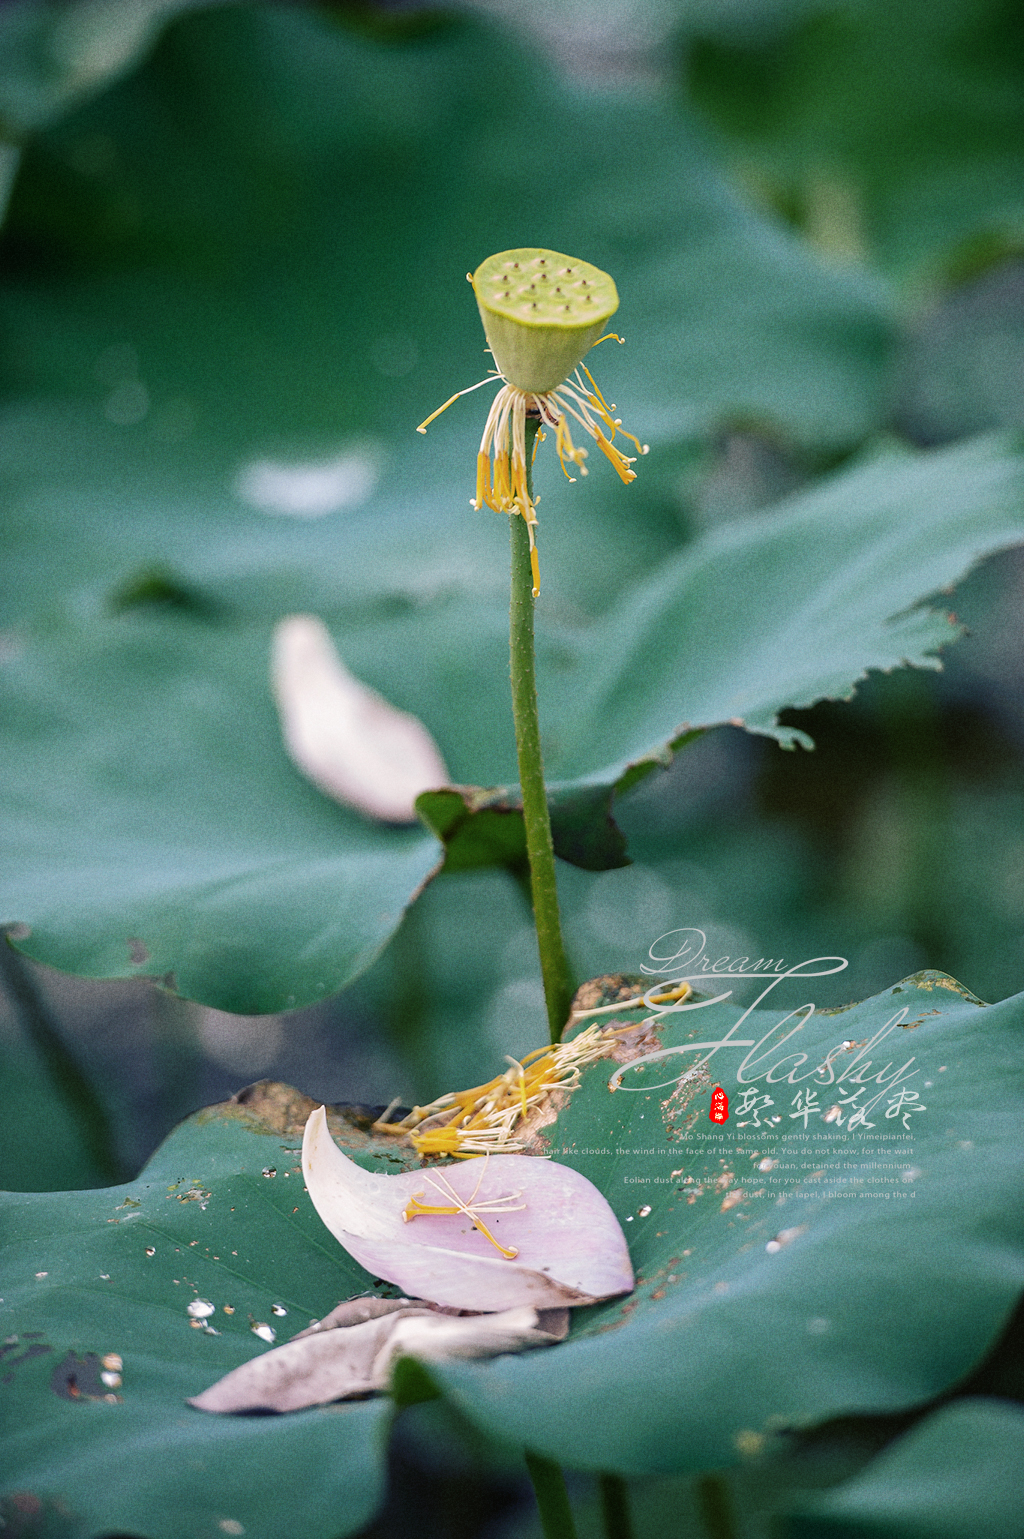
pixel 501 462
pixel 468 1206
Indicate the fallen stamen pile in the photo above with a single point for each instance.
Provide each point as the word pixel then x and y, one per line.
pixel 485 1119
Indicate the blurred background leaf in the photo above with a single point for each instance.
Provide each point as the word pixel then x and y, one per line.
pixel 58 52
pixel 887 133
pixel 954 1474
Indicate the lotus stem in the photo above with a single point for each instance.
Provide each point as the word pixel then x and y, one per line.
pixel 556 1517
pixel 539 848
pixel 615 1513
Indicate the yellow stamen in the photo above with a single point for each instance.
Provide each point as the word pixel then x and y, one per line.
pixel 593 384
pixel 621 462
pixel 519 494
pixel 381 1125
pixel 522 1080
pixel 419 1210
pixel 483 481
pixel 434 414
pixel 501 480
pixel 566 450
pixel 510 1252
pixel 502 489
pixel 675 995
pixel 452 399
pixel 471 1208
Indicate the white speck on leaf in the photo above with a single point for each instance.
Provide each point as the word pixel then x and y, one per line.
pixel 783 1238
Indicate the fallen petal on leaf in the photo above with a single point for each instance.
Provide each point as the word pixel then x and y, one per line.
pixel 555 1322
pixel 355 1312
pixel 327 1365
pixel 507 1230
pixel 439 1336
pixel 342 735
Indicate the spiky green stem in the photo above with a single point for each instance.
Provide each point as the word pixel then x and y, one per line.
pixel 539 849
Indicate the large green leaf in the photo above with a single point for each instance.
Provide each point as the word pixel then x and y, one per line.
pixel 761 614
pixel 791 608
pixel 210 860
pixel 765 1297
pixel 215 862
pixel 218 1214
pixel 772 1265
pixel 54 55
pixel 955 1475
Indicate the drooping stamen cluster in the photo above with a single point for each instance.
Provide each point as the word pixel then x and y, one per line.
pixel 501 480
pixel 469 1206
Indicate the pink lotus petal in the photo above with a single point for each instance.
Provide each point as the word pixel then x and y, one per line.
pixel 345 737
pixel 570 1248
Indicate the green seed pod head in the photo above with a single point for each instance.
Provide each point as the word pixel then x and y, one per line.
pixel 542 312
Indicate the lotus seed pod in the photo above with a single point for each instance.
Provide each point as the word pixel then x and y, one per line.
pixel 542 312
